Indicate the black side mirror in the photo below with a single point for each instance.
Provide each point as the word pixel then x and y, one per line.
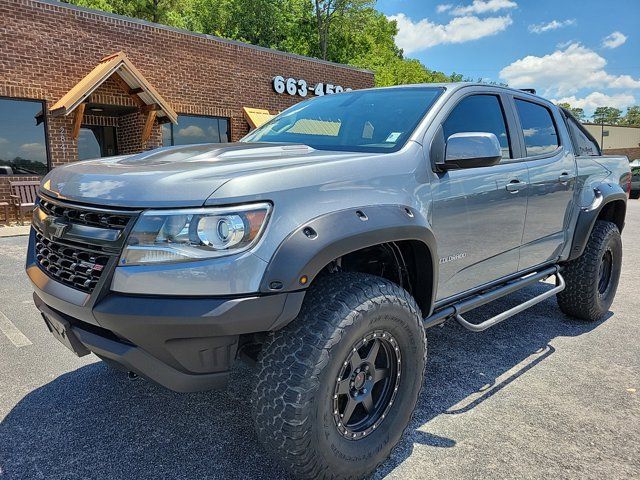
pixel 471 150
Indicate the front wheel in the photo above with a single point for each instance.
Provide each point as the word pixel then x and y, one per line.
pixel 592 279
pixel 338 386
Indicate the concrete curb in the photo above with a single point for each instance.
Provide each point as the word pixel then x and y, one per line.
pixel 17 231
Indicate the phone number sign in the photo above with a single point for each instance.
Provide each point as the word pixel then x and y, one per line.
pixel 301 88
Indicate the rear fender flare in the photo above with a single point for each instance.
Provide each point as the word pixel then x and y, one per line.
pixel 605 193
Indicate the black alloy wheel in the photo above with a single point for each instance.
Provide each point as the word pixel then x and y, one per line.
pixel 367 385
pixel 604 276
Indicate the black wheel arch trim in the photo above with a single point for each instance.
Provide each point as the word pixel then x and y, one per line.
pixel 588 216
pixel 316 243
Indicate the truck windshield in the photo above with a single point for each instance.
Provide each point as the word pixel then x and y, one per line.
pixel 361 121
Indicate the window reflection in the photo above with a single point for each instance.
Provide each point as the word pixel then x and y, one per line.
pixel 479 113
pixel 540 135
pixel 194 129
pixel 22 138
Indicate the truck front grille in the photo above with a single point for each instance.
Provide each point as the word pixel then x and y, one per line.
pixel 75 267
pixel 94 218
pixel 74 244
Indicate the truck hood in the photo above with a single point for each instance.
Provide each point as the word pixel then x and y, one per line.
pixel 182 176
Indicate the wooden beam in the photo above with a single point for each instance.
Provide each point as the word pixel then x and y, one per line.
pixel 150 108
pixel 135 91
pixel 127 89
pixel 148 125
pixel 77 120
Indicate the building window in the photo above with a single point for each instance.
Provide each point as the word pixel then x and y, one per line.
pixel 192 129
pixel 23 146
pixel 97 141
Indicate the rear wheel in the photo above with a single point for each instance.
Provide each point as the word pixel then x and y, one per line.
pixel 635 194
pixel 338 386
pixel 592 279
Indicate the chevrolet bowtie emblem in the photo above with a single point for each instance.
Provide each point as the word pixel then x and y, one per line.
pixel 55 228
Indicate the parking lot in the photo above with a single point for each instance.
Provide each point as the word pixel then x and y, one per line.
pixel 538 396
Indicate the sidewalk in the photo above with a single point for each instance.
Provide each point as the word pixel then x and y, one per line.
pixel 14 231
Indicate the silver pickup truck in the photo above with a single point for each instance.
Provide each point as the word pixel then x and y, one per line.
pixel 322 246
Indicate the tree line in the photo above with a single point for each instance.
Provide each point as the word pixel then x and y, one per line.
pixel 607 115
pixel 352 32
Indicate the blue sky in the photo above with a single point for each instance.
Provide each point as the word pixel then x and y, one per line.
pixel 586 52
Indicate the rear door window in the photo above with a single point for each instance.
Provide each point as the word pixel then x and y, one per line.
pixel 479 113
pixel 538 128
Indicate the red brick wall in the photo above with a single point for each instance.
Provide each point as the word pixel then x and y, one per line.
pixel 46 48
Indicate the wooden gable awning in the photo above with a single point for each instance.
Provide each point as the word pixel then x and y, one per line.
pixel 256 117
pixel 129 78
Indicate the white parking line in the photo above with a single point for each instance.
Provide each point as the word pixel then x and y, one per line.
pixel 16 337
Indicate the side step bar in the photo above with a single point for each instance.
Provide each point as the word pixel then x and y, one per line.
pixel 457 309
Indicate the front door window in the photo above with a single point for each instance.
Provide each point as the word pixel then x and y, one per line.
pixel 96 141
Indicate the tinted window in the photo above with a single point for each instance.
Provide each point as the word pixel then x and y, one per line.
pixel 583 145
pixel 540 135
pixel 362 121
pixel 22 139
pixel 479 113
pixel 192 129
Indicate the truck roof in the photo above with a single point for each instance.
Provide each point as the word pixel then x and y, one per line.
pixel 453 86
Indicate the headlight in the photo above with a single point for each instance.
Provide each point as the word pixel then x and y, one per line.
pixel 194 234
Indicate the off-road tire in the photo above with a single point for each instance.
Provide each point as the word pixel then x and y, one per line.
pixel 582 298
pixel 635 194
pixel 292 401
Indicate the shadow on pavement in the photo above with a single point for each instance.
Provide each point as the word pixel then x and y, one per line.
pixel 94 423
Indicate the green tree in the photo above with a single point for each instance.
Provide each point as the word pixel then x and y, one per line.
pixel 352 32
pixel 575 111
pixel 632 117
pixel 608 115
pixel 327 12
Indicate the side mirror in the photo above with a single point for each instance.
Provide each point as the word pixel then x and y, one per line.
pixel 472 149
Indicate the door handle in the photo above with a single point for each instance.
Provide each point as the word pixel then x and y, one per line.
pixel 514 186
pixel 564 178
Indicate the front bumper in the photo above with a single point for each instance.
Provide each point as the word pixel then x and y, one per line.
pixel 183 343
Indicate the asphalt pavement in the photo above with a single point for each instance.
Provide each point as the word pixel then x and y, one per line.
pixel 538 396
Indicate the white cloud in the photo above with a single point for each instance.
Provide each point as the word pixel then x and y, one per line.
pixel 564 72
pixel 191 131
pixel 599 99
pixel 614 40
pixel 444 7
pixel 552 25
pixel 32 149
pixel 484 6
pixel 415 36
pixel 3 141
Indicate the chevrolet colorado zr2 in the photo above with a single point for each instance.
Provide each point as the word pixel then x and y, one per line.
pixel 322 246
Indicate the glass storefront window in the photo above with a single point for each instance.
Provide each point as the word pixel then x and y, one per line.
pixel 23 148
pixel 193 129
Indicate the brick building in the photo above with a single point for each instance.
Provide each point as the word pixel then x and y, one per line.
pixel 616 139
pixel 77 83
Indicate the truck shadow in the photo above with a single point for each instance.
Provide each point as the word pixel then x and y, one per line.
pixel 94 423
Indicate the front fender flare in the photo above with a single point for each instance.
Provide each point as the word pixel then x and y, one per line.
pixel 316 243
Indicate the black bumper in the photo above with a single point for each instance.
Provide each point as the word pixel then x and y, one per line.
pixel 184 344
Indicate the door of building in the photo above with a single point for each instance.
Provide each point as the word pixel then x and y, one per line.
pixel 97 141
